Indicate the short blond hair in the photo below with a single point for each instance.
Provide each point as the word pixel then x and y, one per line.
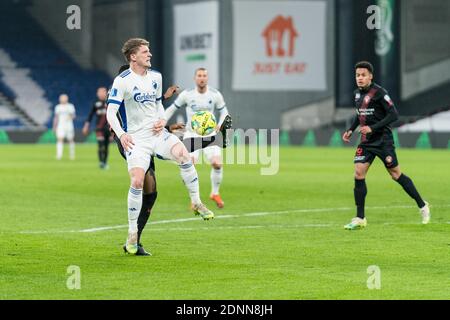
pixel 132 45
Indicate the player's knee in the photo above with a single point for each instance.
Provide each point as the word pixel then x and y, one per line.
pixel 395 175
pixel 180 154
pixel 216 165
pixel 360 174
pixel 137 182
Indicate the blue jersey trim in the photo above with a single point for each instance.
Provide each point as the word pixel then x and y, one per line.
pixel 114 101
pixel 125 73
pixel 123 116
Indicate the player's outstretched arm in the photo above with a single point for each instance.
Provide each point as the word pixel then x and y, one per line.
pixel 171 91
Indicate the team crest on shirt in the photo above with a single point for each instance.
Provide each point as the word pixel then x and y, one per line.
pixel 155 84
pixel 357 96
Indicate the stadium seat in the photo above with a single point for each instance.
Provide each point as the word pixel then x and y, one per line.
pixel 37 67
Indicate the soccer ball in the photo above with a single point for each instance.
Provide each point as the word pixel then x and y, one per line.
pixel 203 123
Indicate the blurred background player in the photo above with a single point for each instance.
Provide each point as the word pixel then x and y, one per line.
pixel 204 98
pixel 139 91
pixel 63 126
pixel 375 113
pixel 102 132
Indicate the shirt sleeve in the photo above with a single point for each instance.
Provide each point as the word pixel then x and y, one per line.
pixel 221 107
pixel 220 102
pixel 159 94
pixel 391 112
pixel 115 99
pixel 117 93
pixel 91 114
pixel 354 124
pixel 175 106
pixel 180 101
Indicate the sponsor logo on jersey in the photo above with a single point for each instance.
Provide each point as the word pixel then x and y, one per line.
pixel 144 97
pixel 366 112
pixel 366 99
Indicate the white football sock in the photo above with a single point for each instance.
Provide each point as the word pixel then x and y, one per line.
pixel 190 179
pixel 216 180
pixel 134 208
pixel 59 150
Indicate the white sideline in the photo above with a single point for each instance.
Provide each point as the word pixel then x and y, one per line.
pixel 252 214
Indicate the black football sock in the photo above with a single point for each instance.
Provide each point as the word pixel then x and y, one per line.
pixel 410 189
pixel 147 205
pixel 193 144
pixel 100 151
pixel 105 154
pixel 360 193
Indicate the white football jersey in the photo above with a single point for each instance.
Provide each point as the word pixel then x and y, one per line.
pixel 195 101
pixel 138 97
pixel 65 113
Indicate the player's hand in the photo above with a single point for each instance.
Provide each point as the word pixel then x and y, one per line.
pixel 159 126
pixel 171 91
pixel 347 135
pixel 85 130
pixel 127 142
pixel 365 130
pixel 176 126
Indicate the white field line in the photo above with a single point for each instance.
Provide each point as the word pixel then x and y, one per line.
pixel 252 214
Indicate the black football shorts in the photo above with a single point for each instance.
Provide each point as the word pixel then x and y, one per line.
pixel 386 153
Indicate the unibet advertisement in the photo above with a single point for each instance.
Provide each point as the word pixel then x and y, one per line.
pixel 196 42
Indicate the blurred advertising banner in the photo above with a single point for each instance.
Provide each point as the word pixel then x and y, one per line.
pixel 279 45
pixel 196 42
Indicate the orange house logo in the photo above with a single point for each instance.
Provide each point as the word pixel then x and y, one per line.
pixel 274 34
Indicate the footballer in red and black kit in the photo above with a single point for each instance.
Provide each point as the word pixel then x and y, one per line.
pixel 375 109
pixel 102 132
pixel 375 112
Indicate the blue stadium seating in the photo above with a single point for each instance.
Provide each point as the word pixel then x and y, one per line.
pixel 55 71
pixel 16 123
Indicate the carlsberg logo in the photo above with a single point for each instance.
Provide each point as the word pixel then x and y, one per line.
pixel 144 97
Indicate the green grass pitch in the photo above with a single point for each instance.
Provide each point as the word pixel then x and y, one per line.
pixel 278 237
